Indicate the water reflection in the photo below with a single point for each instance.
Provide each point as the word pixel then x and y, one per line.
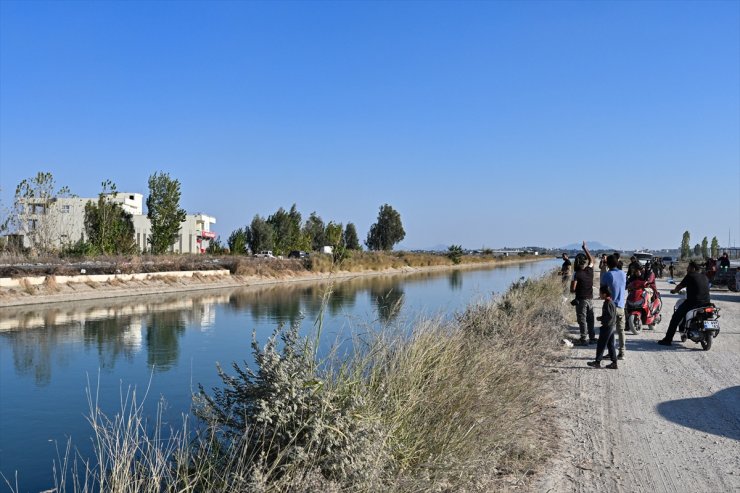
pixel 162 335
pixel 455 279
pixel 388 302
pixel 118 330
pixel 287 304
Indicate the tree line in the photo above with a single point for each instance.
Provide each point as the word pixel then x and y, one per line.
pixel 109 228
pixel 703 249
pixel 284 231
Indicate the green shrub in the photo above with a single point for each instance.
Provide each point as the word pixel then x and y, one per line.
pixel 289 419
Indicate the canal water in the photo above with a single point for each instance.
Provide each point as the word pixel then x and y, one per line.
pixel 168 344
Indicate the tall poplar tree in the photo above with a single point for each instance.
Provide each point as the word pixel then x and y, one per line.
pixel 351 241
pixel 686 246
pixel 705 247
pixel 164 211
pixel 715 247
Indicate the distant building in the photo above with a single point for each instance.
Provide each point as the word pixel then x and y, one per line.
pixel 60 221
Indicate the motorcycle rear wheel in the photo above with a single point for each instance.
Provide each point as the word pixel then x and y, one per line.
pixel 634 324
pixel 706 343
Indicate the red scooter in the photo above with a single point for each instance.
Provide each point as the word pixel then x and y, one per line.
pixel 643 306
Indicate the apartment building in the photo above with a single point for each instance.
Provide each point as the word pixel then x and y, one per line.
pixel 60 221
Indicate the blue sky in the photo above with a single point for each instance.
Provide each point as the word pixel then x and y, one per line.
pixel 482 123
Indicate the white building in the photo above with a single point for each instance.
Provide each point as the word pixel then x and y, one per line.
pixel 60 221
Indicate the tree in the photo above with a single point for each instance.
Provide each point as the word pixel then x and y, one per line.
pixel 351 241
pixel 287 228
pixel 215 247
pixel 333 234
pixel 686 246
pixel 33 214
pixel 314 230
pixel 387 231
pixel 109 228
pixel 238 241
pixel 697 250
pixel 164 212
pixel 705 248
pixel 715 247
pixel 455 253
pixel 260 235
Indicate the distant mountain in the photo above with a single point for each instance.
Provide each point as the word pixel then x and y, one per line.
pixel 592 245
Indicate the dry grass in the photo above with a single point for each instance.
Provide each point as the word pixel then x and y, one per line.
pixel 169 280
pixel 50 284
pixel 116 282
pixel 27 287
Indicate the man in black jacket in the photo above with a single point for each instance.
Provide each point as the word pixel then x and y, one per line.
pixel 697 294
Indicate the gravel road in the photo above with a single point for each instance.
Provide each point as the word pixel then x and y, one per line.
pixel 668 420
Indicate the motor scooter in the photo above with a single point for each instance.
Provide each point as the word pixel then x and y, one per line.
pixel 643 306
pixel 700 324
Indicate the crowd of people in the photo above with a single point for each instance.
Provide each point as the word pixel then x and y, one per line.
pixel 613 282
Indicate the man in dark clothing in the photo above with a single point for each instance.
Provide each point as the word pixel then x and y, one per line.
pixel 619 262
pixel 633 269
pixel 583 287
pixel 724 263
pixel 697 294
pixel 565 269
pixel 608 320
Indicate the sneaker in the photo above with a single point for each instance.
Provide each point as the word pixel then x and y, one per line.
pixel 594 364
pixel 582 342
pixel 612 366
pixel 620 355
pixel 664 342
pixel 592 340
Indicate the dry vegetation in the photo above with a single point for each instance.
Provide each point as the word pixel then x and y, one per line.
pixel 445 405
pixel 236 264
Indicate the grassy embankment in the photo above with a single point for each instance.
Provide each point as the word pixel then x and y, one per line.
pixel 241 268
pixel 456 404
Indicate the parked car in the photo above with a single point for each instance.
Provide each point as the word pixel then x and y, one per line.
pixel 298 254
pixel 643 257
pixel 668 260
pixel 265 254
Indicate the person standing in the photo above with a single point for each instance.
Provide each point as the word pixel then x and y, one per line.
pixel 619 261
pixel 606 332
pixel 583 287
pixel 565 268
pixel 697 294
pixel 603 268
pixel 671 268
pixel 616 280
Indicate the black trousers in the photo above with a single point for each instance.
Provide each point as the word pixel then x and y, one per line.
pixel 678 315
pixel 606 341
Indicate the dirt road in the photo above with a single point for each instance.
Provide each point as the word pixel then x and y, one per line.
pixel 668 420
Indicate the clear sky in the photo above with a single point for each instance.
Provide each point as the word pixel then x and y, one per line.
pixel 482 123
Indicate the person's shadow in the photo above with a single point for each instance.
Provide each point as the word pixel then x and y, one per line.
pixel 716 414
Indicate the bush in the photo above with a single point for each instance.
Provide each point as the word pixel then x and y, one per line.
pixel 454 253
pixel 288 420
